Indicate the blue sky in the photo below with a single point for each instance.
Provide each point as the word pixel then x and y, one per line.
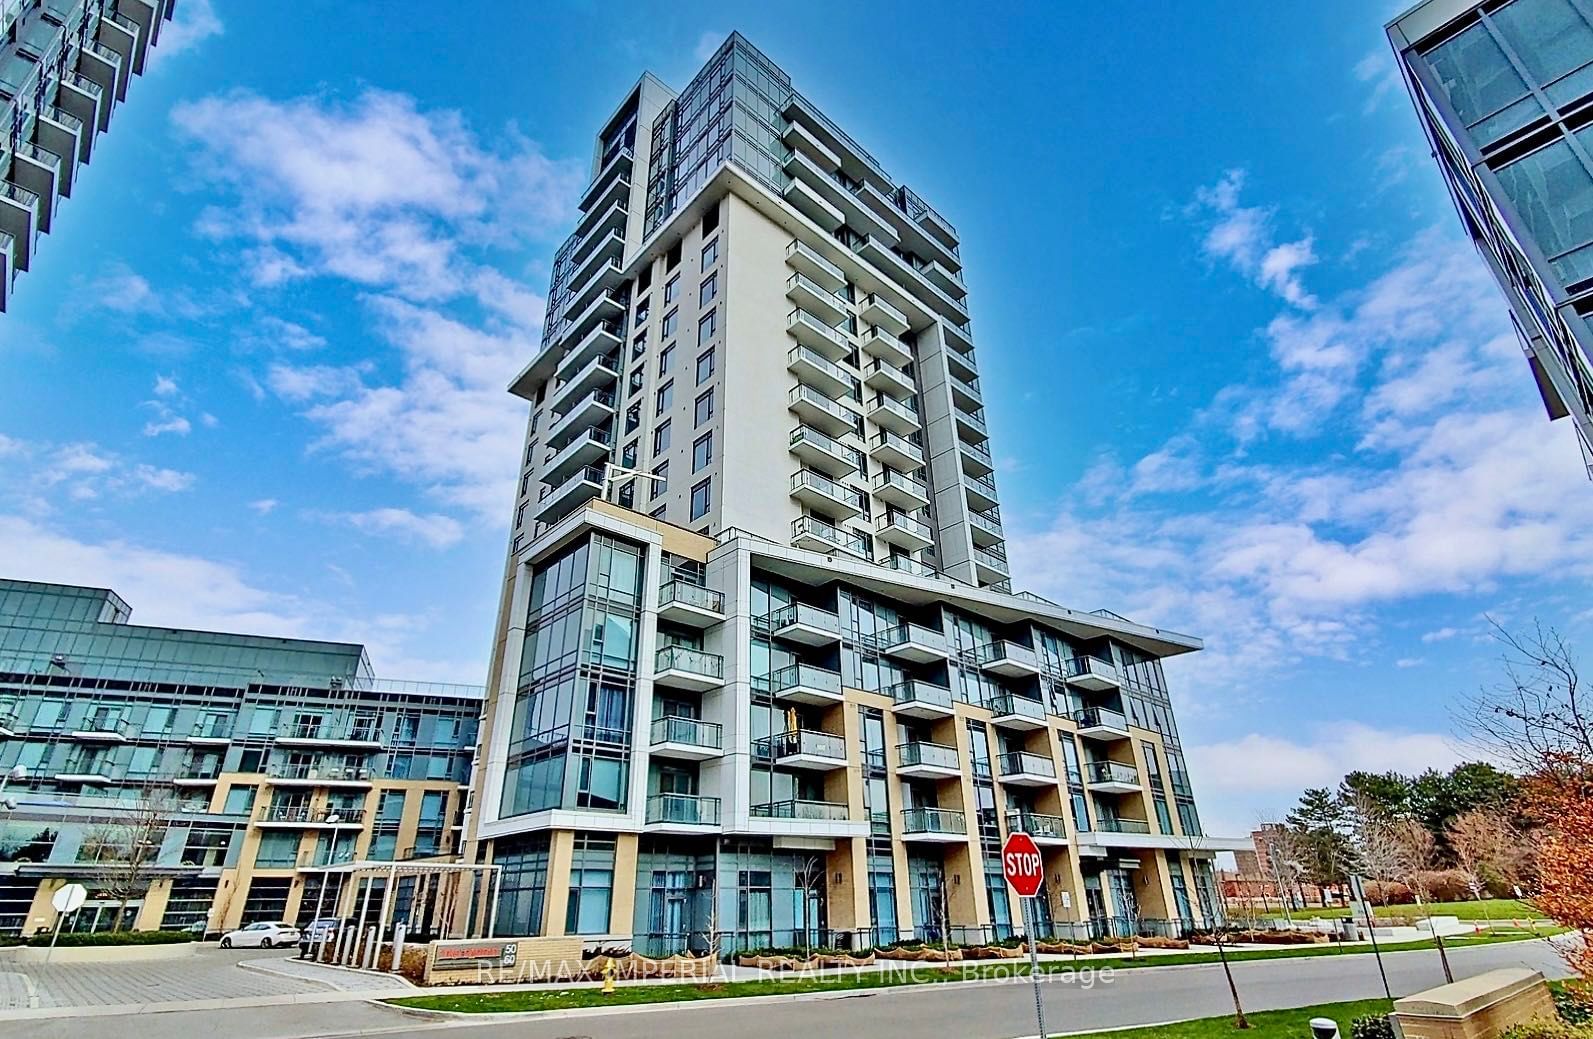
pixel 1245 378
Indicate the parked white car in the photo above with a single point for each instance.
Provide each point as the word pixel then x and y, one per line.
pixel 261 935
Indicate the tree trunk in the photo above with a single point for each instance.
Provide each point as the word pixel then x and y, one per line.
pixel 1239 1019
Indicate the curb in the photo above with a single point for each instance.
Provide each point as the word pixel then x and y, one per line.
pixel 262 967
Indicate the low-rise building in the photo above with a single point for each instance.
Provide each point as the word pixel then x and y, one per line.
pixel 207 779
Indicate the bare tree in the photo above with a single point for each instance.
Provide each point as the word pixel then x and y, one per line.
pixel 1416 853
pixel 126 850
pixel 1489 846
pixel 1375 844
pixel 1217 922
pixel 1538 716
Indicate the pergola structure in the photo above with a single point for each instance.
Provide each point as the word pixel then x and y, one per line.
pixel 446 899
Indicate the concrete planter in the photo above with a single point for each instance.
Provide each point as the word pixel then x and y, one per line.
pixel 99 953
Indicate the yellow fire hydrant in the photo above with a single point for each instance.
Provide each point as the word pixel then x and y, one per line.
pixel 609 971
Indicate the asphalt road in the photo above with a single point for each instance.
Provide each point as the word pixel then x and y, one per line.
pixel 996 1011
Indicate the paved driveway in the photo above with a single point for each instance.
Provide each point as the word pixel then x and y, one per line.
pixel 211 973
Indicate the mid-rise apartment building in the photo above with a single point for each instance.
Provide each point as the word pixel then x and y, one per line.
pixel 254 763
pixel 1504 91
pixel 65 65
pixel 759 672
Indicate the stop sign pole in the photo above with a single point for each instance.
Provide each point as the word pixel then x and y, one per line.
pixel 1024 869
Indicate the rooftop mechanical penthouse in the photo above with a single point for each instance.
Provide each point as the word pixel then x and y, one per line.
pixel 759 671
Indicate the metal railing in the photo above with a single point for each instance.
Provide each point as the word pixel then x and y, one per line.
pixel 691 595
pixel 825 531
pixel 807 616
pixel 806 742
pixel 1101 718
pixel 933 820
pixel 1013 705
pixel 916 690
pixel 930 755
pixel 692 661
pixel 828 444
pixel 1018 762
pixel 692 732
pixel 1111 772
pixel 1037 825
pixel 1121 825
pixel 795 676
pixel 822 811
pixel 817 481
pixel 685 809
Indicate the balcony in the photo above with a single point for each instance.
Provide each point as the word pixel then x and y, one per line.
pixel 960 360
pixel 916 698
pixel 819 535
pixel 303 817
pixel 802 749
pixel 1017 712
pixel 809 625
pixel 682 813
pixel 927 761
pixel 282 774
pixel 947 280
pixel 971 424
pixel 599 373
pixel 680 602
pixel 904 531
pixel 63 133
pixel 886 346
pixel 1099 723
pixel 812 811
pixel 9 721
pixel 19 218
pixel 685 739
pixel 909 565
pixel 585 449
pixel 895 450
pixel 990 565
pixel 213 730
pixel 1019 768
pixel 103 728
pixel 966 393
pixel 986 528
pixel 816 333
pixel 887 378
pixel 615 167
pixel 876 310
pixel 1044 830
pixel 822 413
pixel 879 252
pixel 813 298
pixel 824 453
pixel 818 491
pixel 608 306
pixel 981 492
pixel 825 186
pixel 814 369
pixel 812 204
pixel 976 458
pixel 895 415
pixel 1111 777
pixel 189 777
pixel 38 171
pixel 593 409
pixel 317 732
pixel 909 641
pixel 1007 658
pixel 602 340
pixel 1092 673
pixel 801 683
pixel 682 667
pixel 582 487
pixel 939 825
pixel 899 489
pixel 602 226
pixel 84 771
pixel 804 258
pixel 1119 824
pixel 84 98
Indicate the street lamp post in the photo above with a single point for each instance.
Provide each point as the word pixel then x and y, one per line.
pixel 320 896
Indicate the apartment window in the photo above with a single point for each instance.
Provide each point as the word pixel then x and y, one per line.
pixel 710 254
pixel 519 516
pixel 643 307
pixel 644 280
pixel 639 344
pixel 660 485
pixel 705 407
pixel 661 438
pixel 666 357
pixel 705 367
pixel 665 397
pixel 702 451
pixel 710 220
pixel 638 379
pixel 627 495
pixel 671 322
pixel 628 455
pixel 672 260
pixel 709 290
pixel 633 418
pixel 705 327
pixel 700 496
pixel 671 290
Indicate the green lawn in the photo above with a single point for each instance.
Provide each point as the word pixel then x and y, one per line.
pixel 1487 909
pixel 925 974
pixel 1271 1024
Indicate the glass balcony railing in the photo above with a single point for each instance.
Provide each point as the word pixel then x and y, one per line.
pixel 829 297
pixel 803 742
pixel 1111 772
pixel 809 356
pixel 928 755
pixel 683 809
pixel 1003 651
pixel 933 820
pixel 818 811
pixel 904 522
pixel 885 438
pixel 982 484
pixel 807 253
pixel 1101 718
pixel 809 479
pixel 994 560
pixel 915 690
pixel 908 633
pixel 890 478
pixel 692 661
pixel 850 456
pixel 1036 825
pixel 798 676
pixel 909 565
pixel 690 732
pixel 1013 705
pixel 1120 825
pixel 900 409
pixel 827 532
pixel 800 613
pixel 811 397
pixel 1017 762
pixel 691 595
pixel 1092 667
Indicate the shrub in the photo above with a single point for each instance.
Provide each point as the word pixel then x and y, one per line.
pixel 1372 1026
pixel 1388 892
pixel 1548 1029
pixel 1575 1004
pixel 70 939
pixel 1449 885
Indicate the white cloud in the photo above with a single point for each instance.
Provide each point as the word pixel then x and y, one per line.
pixel 165 385
pixel 161 479
pixel 288 335
pixel 1440 634
pixel 297 384
pixel 125 291
pixel 81 472
pixel 1243 236
pixel 1379 69
pixel 1409 662
pixel 708 45
pixel 432 529
pixel 196 21
pixel 264 505
pixel 168 424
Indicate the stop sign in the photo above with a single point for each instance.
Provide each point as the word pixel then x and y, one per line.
pixel 1020 862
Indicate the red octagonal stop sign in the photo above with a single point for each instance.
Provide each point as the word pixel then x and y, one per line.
pixel 1020 861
